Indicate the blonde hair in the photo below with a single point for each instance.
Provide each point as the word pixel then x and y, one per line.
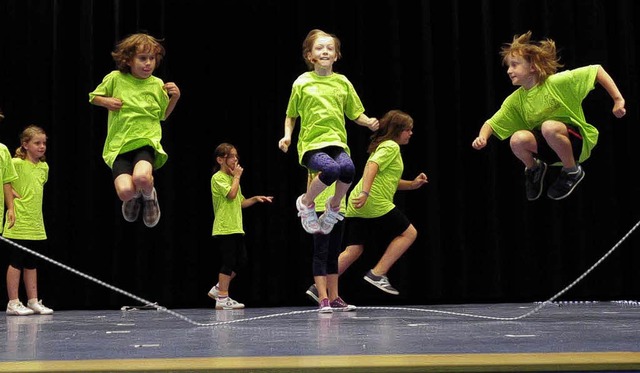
pixel 541 55
pixel 27 134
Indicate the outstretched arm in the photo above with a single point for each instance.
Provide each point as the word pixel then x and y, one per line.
pixel 609 85
pixel 255 199
pixel 416 183
pixel 481 141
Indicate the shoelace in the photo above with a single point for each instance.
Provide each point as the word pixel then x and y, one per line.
pixel 332 217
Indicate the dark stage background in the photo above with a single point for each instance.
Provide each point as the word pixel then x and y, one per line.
pixel 479 239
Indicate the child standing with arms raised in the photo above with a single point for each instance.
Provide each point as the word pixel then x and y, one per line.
pixel 322 99
pixel 228 231
pixel 137 102
pixel 28 230
pixel 544 117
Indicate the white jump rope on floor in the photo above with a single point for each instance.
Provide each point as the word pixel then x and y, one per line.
pixel 152 305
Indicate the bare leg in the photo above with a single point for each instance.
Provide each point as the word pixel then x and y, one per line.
pixel 523 145
pixel 557 137
pixel 31 283
pixel 394 251
pixel 13 282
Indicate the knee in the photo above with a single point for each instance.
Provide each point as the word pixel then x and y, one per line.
pixel 329 174
pixel 347 173
pixel 411 233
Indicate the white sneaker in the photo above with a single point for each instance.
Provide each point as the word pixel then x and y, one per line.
pixel 18 309
pixel 308 216
pixel 329 218
pixel 40 308
pixel 228 304
pixel 214 292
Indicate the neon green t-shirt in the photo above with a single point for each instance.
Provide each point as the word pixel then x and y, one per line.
pixel 390 167
pixel 559 98
pixel 227 212
pixel 7 175
pixel 28 208
pixel 137 123
pixel 322 102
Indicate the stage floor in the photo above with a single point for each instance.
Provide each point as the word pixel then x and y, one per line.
pixel 565 336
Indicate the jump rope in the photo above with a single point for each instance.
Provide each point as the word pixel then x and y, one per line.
pixel 152 305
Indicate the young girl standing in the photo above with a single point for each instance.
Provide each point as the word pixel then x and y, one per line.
pixel 28 230
pixel 322 98
pixel 228 231
pixel 137 102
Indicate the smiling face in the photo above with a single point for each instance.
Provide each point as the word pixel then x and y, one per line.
pixel 323 53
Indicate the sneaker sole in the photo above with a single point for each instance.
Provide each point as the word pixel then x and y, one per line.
pixel 228 308
pixel 372 282
pixel 570 190
pixel 312 296
pixel 348 308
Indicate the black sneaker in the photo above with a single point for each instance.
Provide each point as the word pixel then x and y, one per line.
pixel 312 292
pixel 534 179
pixel 381 282
pixel 565 184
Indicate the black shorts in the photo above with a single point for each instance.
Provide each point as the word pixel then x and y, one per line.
pixel 125 162
pixel 548 155
pixel 20 259
pixel 381 230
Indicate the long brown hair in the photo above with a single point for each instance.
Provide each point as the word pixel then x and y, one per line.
pixel 391 126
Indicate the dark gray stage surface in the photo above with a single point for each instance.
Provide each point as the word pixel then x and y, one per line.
pixel 598 336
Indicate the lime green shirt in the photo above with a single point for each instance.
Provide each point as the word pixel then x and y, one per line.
pixel 28 208
pixel 559 98
pixel 137 123
pixel 322 102
pixel 390 167
pixel 7 175
pixel 227 212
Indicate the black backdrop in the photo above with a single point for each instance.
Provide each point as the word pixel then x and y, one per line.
pixel 479 240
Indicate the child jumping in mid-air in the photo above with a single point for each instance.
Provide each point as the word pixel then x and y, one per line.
pixel 228 230
pixel 322 98
pixel 137 102
pixel 544 117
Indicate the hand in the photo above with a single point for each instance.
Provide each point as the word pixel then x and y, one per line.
pixel 284 143
pixel 172 90
pixel 11 218
pixel 112 103
pixel 237 171
pixel 264 199
pixel 479 143
pixel 618 108
pixel 373 124
pixel 359 200
pixel 419 181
